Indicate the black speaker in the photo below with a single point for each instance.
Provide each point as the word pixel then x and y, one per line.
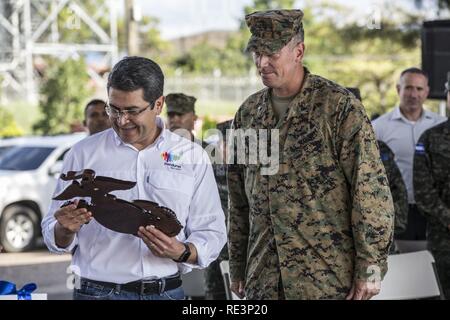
pixel 436 55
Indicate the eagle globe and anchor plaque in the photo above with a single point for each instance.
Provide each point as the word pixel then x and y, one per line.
pixel 114 213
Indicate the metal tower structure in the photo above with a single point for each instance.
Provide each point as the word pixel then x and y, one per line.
pixel 32 28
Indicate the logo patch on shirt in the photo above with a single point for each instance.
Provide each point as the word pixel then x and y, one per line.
pixel 170 160
pixel 170 156
pixel 420 148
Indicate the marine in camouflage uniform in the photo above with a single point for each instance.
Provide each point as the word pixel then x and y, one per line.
pixel 432 193
pixel 214 284
pixel 181 115
pixel 398 189
pixel 324 221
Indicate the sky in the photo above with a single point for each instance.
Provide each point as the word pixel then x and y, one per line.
pixel 185 17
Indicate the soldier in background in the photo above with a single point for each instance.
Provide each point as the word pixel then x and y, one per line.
pixel 432 192
pixel 321 226
pixel 214 284
pixel 398 190
pixel 181 116
pixel 181 120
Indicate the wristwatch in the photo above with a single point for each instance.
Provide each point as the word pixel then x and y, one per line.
pixel 185 255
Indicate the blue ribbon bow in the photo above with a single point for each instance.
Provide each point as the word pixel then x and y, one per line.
pixel 7 287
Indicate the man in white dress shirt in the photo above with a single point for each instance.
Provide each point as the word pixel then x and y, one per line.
pixel 168 169
pixel 400 129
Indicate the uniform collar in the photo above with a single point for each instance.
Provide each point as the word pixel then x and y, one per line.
pixel 396 115
pixel 265 113
pixel 307 87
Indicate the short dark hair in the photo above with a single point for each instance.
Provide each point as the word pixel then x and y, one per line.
pixel 92 102
pixel 134 73
pixel 414 70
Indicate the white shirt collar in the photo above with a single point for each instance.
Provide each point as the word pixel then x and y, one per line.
pixel 398 115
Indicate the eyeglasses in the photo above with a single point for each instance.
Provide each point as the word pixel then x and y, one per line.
pixel 258 55
pixel 115 113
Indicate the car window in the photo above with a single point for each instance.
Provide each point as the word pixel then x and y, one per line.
pixel 61 157
pixel 24 157
pixel 3 150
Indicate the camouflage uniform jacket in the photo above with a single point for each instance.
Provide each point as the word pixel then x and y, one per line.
pixel 214 284
pixel 432 183
pixel 220 173
pixel 327 216
pixel 397 186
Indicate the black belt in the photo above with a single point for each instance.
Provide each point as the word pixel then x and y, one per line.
pixel 154 286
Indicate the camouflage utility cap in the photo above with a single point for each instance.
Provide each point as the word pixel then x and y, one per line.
pixel 273 29
pixel 180 103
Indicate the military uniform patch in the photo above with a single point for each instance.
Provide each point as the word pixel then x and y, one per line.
pixel 420 148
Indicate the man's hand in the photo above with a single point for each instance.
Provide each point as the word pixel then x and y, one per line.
pixel 362 290
pixel 238 288
pixel 162 245
pixel 70 219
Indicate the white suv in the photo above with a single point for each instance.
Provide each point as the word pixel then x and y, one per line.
pixel 29 169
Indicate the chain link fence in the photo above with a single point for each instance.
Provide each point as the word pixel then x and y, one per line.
pixel 234 90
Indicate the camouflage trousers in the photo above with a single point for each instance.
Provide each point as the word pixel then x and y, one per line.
pixel 442 259
pixel 214 284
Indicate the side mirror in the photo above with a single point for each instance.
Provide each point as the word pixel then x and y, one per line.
pixel 56 169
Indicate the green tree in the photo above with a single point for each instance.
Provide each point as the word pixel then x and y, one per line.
pixel 355 55
pixel 202 58
pixel 208 124
pixel 351 53
pixel 73 30
pixel 444 4
pixel 440 4
pixel 259 5
pixel 151 43
pixel 62 94
pixel 234 60
pixel 8 126
pixel 205 58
